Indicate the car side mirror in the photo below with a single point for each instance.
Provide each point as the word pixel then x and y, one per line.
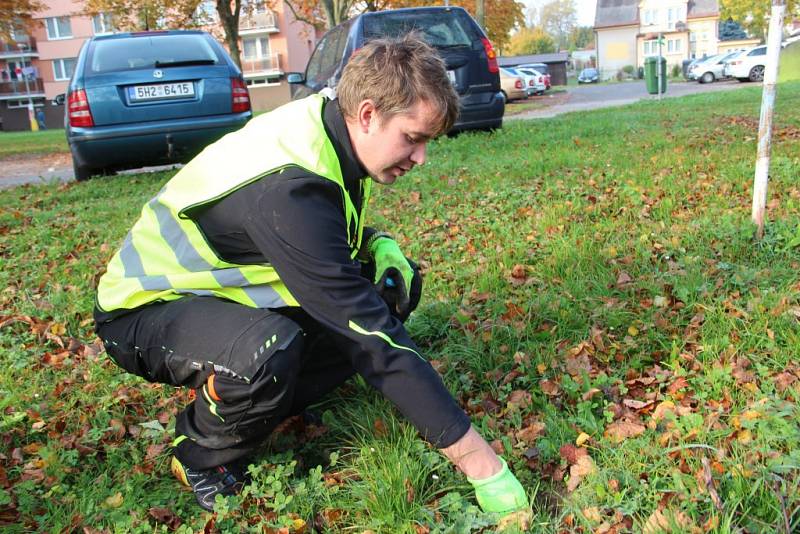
pixel 295 77
pixel 59 100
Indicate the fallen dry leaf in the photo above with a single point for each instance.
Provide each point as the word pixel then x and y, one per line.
pixel 583 467
pixel 666 522
pixel 619 431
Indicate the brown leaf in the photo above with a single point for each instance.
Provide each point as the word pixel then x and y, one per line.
pixel 623 279
pixel 531 433
pixel 549 388
pixel 414 197
pixel 380 427
pixel 154 450
pixel 519 398
pixel 571 453
pixel 583 467
pixel 165 516
pixel 637 404
pixel 666 523
pixel 409 491
pixel 784 380
pixel 679 384
pixel 619 431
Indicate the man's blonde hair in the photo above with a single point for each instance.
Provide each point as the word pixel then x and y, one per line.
pixel 396 74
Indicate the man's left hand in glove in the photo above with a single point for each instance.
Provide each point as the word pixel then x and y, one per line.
pixel 397 279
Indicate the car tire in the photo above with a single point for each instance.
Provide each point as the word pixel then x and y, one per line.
pixel 756 74
pixel 82 172
pixel 707 77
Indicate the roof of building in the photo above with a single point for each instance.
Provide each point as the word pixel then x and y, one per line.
pixel 616 13
pixel 702 8
pixel 626 12
pixel 510 61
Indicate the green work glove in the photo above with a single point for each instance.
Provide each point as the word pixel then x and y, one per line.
pixel 394 274
pixel 501 493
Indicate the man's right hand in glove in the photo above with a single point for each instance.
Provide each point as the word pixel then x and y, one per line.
pixel 497 490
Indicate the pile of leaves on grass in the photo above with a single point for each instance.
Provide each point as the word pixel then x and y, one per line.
pixel 593 298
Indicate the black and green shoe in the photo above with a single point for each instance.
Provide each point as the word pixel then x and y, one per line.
pixel 208 483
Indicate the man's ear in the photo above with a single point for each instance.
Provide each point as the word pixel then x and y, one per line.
pixel 367 114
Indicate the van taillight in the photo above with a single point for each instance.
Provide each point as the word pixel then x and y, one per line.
pixel 78 109
pixel 491 55
pixel 240 96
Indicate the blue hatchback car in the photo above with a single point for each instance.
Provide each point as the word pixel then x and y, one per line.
pixel 150 98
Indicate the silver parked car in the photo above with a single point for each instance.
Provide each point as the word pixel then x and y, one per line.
pixel 710 69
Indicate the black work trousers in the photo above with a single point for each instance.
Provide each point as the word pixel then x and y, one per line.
pixel 251 369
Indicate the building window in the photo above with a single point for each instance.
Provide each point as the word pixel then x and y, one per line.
pixel 58 28
pixel 650 16
pixel 62 68
pixel 101 24
pixel 12 104
pixel 673 46
pixel 651 48
pixel 256 48
pixel 253 7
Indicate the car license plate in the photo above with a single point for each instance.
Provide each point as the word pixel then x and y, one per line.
pixel 137 93
pixel 452 75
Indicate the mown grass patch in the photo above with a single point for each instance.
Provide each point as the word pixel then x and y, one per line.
pixel 593 298
pixel 41 142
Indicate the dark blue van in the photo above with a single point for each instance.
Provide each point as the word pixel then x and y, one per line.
pixel 470 58
pixel 150 98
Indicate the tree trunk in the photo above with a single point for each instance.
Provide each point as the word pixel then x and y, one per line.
pixel 230 23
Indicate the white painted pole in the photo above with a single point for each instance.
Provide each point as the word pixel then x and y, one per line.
pixel 658 66
pixel 767 109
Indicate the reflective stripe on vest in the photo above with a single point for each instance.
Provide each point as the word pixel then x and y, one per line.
pixel 166 256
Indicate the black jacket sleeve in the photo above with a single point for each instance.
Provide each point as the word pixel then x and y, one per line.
pixel 299 226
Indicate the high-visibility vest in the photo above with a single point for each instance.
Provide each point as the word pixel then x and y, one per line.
pixel 166 256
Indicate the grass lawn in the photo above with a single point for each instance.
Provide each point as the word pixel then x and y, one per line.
pixel 41 142
pixel 593 298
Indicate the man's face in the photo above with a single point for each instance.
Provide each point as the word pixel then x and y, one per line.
pixel 390 147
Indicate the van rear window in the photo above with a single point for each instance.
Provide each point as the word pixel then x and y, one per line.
pixel 142 52
pixel 442 29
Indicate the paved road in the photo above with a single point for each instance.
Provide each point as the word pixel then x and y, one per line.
pixel 587 97
pixel 58 167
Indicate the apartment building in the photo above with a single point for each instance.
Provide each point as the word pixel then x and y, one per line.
pixel 627 31
pixel 36 67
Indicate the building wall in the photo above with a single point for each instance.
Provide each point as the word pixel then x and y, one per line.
pixel 705 33
pixel 616 48
pixel 54 49
pixel 738 44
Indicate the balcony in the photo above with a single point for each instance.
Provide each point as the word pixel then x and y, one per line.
pixel 262 66
pixel 253 23
pixel 16 89
pixel 12 50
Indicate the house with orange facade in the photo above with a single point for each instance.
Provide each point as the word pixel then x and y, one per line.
pixel 36 66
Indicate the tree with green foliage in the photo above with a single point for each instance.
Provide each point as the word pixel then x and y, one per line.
pixel 530 41
pixel 580 37
pixel 731 30
pixel 753 15
pixel 559 18
pixel 17 15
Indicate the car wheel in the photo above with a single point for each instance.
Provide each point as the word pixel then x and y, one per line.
pixel 708 77
pixel 756 73
pixel 82 172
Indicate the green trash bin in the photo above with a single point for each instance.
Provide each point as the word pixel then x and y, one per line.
pixel 650 78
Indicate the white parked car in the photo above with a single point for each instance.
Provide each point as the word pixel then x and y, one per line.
pixel 710 69
pixel 748 65
pixel 527 80
pixel 537 77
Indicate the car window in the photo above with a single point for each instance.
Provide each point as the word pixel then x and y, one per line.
pixel 759 52
pixel 315 62
pixel 110 55
pixel 441 29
